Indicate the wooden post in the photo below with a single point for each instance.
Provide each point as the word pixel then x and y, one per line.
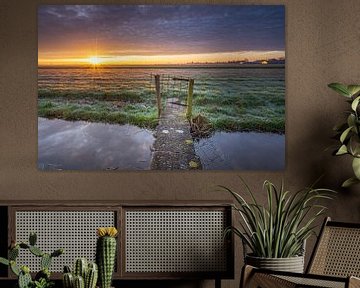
pixel 190 99
pixel 158 93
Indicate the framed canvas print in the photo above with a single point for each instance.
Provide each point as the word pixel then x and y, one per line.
pixel 161 87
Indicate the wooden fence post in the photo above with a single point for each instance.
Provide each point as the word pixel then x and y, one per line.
pixel 158 93
pixel 190 99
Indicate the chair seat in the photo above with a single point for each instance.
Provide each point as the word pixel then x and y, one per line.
pixel 268 279
pixel 315 282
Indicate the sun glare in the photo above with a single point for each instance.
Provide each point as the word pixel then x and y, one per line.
pixel 94 60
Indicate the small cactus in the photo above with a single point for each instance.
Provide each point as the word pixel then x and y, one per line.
pixel 57 252
pixel 24 278
pixel 13 253
pixel 67 269
pixel 45 261
pixel 106 254
pixel 36 251
pixel 24 246
pixel 44 273
pixel 91 276
pixel 79 282
pixel 68 280
pixel 32 239
pixel 80 268
pixel 88 273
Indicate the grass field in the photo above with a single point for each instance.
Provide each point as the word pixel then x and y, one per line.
pixel 232 99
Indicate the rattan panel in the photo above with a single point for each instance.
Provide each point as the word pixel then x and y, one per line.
pixel 75 231
pixel 175 241
pixel 338 253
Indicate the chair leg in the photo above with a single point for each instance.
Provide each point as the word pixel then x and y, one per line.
pixel 217 283
pixel 246 274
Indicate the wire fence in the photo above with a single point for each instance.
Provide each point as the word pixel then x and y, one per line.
pixel 173 88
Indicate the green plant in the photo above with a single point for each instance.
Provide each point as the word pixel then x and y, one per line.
pixel 43 283
pixel 42 278
pixel 85 275
pixel 279 229
pixel 105 254
pixel 349 132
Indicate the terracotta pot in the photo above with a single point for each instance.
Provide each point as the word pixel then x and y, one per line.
pixel 291 264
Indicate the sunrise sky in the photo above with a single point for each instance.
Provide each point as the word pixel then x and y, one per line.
pixel 158 34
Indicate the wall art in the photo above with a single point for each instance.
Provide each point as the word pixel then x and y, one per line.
pixel 161 87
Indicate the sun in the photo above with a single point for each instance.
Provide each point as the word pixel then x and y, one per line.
pixel 95 60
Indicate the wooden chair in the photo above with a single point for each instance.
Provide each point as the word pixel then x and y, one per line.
pixel 335 262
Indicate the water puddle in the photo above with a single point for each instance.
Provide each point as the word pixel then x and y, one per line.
pixel 80 145
pixel 242 151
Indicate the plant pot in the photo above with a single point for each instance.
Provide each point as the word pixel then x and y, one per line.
pixel 291 264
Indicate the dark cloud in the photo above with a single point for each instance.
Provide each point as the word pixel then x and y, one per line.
pixel 155 29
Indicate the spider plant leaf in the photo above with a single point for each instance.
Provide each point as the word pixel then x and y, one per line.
pixel 279 228
pixel 249 190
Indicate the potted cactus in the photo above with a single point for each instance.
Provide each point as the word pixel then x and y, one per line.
pixel 106 254
pixel 42 278
pixel 84 275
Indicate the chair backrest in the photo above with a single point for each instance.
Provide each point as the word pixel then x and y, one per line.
pixel 337 251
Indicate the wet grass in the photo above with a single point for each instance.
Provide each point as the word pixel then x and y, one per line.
pixel 247 108
pixel 239 104
pixel 119 108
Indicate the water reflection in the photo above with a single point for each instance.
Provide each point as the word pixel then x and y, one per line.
pixel 89 146
pixel 242 151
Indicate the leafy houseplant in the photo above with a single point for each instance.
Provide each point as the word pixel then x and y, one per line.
pixel 279 229
pixel 349 132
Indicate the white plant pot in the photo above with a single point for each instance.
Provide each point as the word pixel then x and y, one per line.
pixel 291 264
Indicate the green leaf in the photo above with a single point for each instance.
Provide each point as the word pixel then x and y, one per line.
pixel 4 261
pixel 342 150
pixel 14 268
pixel 351 120
pixel 340 88
pixel 345 134
pixel 355 103
pixel 356 167
pixel 353 89
pixel 349 182
pixel 13 253
pixel 23 245
pixel 45 261
pixel 354 143
pixel 36 251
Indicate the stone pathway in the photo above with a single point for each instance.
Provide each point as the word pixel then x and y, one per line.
pixel 173 147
